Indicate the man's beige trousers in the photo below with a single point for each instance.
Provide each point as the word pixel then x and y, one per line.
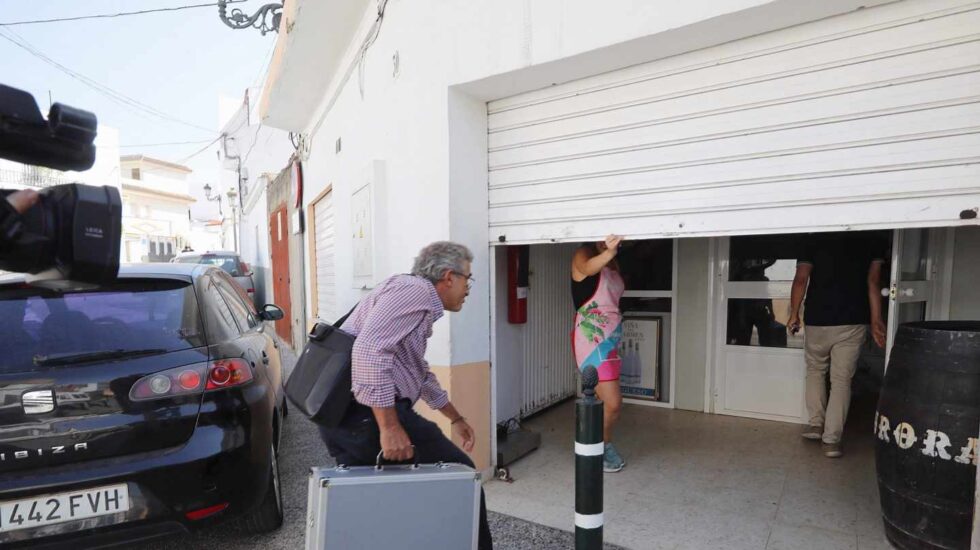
pixel 835 348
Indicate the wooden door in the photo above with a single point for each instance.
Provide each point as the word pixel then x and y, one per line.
pixel 279 248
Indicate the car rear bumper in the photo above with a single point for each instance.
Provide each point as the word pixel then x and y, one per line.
pixel 223 462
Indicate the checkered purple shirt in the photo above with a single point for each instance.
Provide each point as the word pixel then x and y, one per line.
pixel 392 325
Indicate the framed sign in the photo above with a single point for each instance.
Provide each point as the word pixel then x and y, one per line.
pixel 640 352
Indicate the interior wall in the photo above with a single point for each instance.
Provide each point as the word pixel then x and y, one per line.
pixel 693 280
pixel 965 296
pixel 508 365
pixel 550 373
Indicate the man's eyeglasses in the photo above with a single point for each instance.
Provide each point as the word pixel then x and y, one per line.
pixel 469 278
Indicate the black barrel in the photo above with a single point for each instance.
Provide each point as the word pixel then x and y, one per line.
pixel 926 431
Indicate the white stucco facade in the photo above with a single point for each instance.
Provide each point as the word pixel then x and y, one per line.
pixel 417 102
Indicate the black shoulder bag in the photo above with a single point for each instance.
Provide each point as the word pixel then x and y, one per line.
pixel 320 384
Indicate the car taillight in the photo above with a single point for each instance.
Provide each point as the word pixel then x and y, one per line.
pixel 191 379
pixel 251 291
pixel 170 383
pixel 225 373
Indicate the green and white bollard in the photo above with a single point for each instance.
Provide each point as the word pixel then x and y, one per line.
pixel 588 465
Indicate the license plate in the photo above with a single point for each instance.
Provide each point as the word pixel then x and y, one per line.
pixel 62 507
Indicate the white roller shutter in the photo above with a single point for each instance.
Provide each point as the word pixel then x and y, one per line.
pixel 870 119
pixel 325 237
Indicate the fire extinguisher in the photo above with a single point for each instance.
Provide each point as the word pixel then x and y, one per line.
pixel 517 283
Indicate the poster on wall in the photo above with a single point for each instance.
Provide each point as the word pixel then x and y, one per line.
pixel 639 351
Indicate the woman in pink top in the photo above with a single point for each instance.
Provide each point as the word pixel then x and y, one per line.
pixel 596 289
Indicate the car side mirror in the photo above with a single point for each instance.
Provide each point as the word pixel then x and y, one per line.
pixel 271 312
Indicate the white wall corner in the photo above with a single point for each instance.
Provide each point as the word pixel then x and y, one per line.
pixel 469 220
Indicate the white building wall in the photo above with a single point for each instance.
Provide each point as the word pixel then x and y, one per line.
pixel 166 181
pixel 255 244
pixel 156 207
pixel 148 215
pixel 417 103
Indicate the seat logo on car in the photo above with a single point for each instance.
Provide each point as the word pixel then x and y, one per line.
pixel 38 402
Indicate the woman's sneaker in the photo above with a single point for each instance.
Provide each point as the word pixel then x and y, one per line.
pixel 611 461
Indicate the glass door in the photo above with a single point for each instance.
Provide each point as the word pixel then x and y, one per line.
pixel 760 372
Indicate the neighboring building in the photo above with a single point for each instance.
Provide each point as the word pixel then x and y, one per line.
pixel 156 203
pixel 710 134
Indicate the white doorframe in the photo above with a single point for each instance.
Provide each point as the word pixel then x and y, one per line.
pixel 672 294
pixel 709 375
pixel 933 291
pixel 492 283
pixel 943 272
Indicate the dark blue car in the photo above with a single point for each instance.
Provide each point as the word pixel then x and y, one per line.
pixel 138 409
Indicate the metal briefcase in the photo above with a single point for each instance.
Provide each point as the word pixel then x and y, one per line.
pixel 404 507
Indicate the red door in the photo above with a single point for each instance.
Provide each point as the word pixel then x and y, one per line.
pixel 279 239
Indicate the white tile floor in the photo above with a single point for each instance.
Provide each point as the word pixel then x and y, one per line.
pixel 698 481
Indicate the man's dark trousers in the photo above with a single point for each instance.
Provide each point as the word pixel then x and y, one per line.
pixel 357 442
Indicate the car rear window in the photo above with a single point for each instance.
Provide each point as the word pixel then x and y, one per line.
pixel 126 315
pixel 229 264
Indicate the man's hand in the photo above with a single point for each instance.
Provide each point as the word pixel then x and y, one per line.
pixel 458 426
pixel 879 331
pixel 794 324
pixel 23 200
pixel 395 444
pixel 463 430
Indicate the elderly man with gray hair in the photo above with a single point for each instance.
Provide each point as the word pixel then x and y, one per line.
pixel 389 371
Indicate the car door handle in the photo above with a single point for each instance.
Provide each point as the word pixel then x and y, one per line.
pixel 265 358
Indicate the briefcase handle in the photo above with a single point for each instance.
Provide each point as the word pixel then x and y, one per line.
pixel 379 466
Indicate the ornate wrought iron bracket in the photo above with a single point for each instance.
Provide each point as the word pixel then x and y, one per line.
pixel 238 19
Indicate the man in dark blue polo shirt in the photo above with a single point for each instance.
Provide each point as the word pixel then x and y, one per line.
pixel 840 274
